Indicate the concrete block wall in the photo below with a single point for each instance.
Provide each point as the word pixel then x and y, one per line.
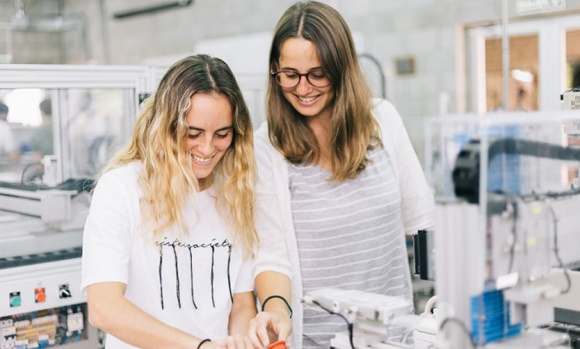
pixel 430 31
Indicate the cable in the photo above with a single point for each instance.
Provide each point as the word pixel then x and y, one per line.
pixel 26 168
pixel 557 252
pixel 461 324
pixel 514 235
pixel 349 324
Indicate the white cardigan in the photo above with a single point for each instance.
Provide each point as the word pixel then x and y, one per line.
pixel 278 247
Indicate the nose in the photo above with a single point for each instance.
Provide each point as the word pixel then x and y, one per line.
pixel 206 146
pixel 303 86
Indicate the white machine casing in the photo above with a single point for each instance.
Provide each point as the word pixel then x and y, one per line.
pixel 506 225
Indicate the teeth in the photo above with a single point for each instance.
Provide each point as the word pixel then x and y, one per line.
pixel 303 99
pixel 202 160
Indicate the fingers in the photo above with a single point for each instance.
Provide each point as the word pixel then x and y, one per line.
pixel 285 332
pixel 238 342
pixel 258 330
pixel 253 336
pixel 268 327
pixel 282 327
pixel 248 343
pixel 267 330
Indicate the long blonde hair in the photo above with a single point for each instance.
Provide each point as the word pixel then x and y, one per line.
pixel 353 127
pixel 159 141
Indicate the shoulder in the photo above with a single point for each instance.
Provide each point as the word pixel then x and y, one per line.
pixel 120 178
pixel 389 119
pixel 261 137
pixel 263 146
pixel 385 112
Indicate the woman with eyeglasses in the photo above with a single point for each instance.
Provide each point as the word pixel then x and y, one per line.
pixel 339 184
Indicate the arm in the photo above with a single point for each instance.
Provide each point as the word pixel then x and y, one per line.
pixel 417 202
pixel 110 311
pixel 274 322
pixel 272 267
pixel 243 310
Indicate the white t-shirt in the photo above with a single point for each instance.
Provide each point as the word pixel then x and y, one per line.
pixel 184 281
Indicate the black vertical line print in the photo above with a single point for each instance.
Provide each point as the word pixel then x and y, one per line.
pixel 229 278
pixel 212 262
pixel 219 273
pixel 191 276
pixel 161 274
pixel 177 278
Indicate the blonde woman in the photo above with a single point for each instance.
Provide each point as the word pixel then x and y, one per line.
pixel 170 234
pixel 339 184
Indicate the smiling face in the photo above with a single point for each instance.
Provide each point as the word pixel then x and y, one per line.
pixel 300 55
pixel 210 133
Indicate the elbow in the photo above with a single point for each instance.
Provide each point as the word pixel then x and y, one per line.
pixel 96 319
pixel 99 317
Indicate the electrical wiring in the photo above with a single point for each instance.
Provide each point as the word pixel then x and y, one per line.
pixel 557 252
pixel 461 324
pixel 350 326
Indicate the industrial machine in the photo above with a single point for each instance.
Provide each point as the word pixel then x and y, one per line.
pixel 507 228
pixel 44 195
pixel 504 254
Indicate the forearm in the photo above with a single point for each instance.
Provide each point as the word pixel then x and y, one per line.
pixel 270 283
pixel 119 317
pixel 243 310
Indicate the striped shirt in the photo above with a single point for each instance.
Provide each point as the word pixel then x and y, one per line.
pixel 350 236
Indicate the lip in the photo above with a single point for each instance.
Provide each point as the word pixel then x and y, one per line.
pixel 309 103
pixel 198 163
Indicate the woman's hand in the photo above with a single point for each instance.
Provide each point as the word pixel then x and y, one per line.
pixel 268 327
pixel 230 342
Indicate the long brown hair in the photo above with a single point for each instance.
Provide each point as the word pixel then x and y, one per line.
pixel 159 141
pixel 353 127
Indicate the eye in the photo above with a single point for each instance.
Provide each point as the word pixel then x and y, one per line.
pixel 291 75
pixel 193 135
pixel 319 74
pixel 222 135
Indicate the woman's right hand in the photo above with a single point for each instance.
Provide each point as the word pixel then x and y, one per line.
pixel 230 342
pixel 269 327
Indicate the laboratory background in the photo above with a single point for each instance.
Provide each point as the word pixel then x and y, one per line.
pixel 488 90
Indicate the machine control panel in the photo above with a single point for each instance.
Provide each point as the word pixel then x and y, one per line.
pixel 36 287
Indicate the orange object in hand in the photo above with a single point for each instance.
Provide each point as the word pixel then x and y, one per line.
pixel 277 345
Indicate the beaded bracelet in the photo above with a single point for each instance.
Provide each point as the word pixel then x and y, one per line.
pixel 282 298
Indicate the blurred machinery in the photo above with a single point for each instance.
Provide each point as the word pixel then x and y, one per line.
pixel 504 254
pixel 506 238
pixel 372 320
pixel 42 215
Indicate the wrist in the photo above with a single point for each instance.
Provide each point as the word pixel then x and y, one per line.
pixel 277 304
pixel 202 342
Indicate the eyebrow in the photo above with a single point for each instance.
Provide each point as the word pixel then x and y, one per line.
pixel 296 70
pixel 201 129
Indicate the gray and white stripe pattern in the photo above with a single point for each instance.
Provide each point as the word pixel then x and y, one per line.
pixel 350 236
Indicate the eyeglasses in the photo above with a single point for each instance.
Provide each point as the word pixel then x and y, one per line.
pixel 291 78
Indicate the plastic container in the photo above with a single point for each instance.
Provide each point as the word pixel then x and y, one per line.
pixel 277 345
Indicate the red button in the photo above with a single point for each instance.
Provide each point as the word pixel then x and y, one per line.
pixel 39 295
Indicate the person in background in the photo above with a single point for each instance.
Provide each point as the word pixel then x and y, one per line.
pixel 42 142
pixel 339 184
pixel 170 233
pixel 8 145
